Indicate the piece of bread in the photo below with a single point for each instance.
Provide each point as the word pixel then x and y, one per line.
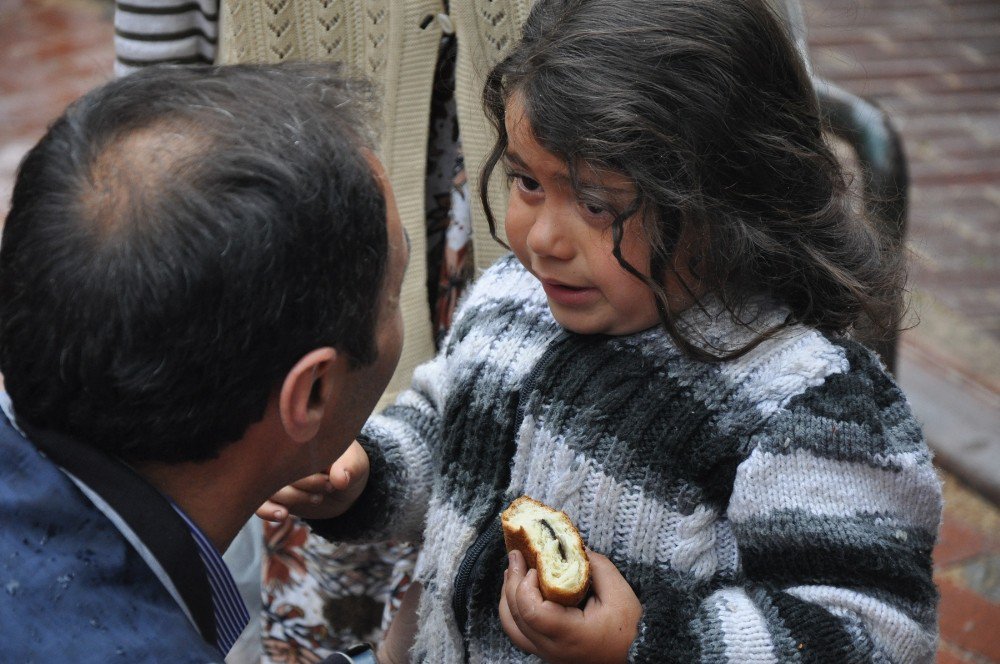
pixel 551 544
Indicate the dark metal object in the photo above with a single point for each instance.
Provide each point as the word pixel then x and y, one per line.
pixel 870 133
pixel 884 181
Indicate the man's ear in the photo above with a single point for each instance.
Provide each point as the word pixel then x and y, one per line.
pixel 306 392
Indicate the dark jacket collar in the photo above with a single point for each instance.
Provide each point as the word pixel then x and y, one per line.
pixel 145 510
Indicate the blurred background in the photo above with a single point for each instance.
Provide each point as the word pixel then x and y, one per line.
pixel 934 67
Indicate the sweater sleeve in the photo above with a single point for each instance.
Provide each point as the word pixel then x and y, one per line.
pixel 151 32
pixel 834 513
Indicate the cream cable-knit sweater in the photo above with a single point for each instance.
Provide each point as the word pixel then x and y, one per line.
pixel 780 507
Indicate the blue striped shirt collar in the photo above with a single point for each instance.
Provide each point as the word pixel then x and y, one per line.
pixel 231 615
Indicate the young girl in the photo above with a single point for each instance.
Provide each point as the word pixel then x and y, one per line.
pixel 664 358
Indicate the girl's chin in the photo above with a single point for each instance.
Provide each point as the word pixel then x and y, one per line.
pixel 579 324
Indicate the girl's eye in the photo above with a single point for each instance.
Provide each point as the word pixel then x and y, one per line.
pixel 526 183
pixel 596 210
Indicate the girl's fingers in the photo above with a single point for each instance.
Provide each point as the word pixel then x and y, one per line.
pixel 273 512
pixel 514 583
pixel 516 565
pixel 339 478
pixel 603 572
pixel 315 483
pixel 540 620
pixel 612 595
pixel 295 498
pixel 351 466
pixel 511 578
pixel 513 631
pixel 398 638
pixel 606 580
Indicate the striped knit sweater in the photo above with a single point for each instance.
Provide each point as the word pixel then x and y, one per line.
pixel 149 32
pixel 780 507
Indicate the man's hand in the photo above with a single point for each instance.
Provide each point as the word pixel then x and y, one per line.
pixel 322 495
pixel 602 632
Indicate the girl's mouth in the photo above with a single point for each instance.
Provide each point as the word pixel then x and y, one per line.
pixel 569 295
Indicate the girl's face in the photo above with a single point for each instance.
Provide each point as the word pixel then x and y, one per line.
pixel 563 236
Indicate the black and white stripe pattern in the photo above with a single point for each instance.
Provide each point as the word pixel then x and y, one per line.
pixel 151 32
pixel 780 507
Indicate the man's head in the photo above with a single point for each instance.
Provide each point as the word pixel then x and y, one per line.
pixel 177 242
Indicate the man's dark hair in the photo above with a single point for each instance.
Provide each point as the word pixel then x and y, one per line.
pixel 176 242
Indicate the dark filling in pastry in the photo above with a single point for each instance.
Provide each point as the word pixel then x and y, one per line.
pixel 552 532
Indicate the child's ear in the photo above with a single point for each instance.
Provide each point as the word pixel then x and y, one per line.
pixel 306 392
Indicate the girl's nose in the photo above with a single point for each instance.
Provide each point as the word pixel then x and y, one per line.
pixel 548 236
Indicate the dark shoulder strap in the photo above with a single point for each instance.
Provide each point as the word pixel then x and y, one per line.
pixel 146 511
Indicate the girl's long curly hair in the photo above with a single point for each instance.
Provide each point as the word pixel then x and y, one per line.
pixel 709 109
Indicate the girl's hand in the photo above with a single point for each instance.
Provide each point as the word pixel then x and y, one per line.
pixel 395 646
pixel 321 495
pixel 602 632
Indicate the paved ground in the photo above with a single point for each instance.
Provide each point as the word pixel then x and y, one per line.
pixel 934 65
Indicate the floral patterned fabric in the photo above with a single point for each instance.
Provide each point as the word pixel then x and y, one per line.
pixel 320 596
pixel 449 227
